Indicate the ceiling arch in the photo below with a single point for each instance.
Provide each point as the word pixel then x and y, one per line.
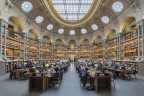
pixel 125 22
pixel 35 32
pixel 18 21
pixel 98 39
pixel 109 32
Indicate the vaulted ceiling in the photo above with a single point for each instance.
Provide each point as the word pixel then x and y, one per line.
pixel 80 17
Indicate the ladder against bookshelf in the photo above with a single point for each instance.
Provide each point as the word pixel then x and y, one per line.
pixel 103 82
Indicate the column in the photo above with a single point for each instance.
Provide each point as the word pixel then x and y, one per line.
pixel 5 36
pixel 25 41
pixel 39 48
pixel 1 31
pixel 143 40
pixel 65 51
pixel 91 51
pixel 78 52
pixel 118 47
pixel 53 53
pixel 117 42
pixel 104 50
pixel 138 31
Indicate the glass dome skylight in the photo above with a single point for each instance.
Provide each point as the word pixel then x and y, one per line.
pixel 26 6
pixel 72 10
pixel 117 6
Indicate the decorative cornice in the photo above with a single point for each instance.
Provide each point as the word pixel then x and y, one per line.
pixel 53 12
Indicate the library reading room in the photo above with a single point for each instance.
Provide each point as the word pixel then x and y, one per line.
pixel 71 47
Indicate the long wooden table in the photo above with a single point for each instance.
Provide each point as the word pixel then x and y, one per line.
pixel 117 72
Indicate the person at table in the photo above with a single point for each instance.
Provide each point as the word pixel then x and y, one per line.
pixel 84 76
pixel 12 73
pixel 122 67
pixel 55 75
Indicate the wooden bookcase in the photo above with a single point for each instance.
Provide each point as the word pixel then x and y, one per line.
pixel 59 52
pixel 14 44
pixel 10 63
pixel 85 52
pixel 32 48
pixel 103 82
pixel 127 64
pixel 129 44
pixel 72 51
pixel 98 51
pixel 111 48
pixel 46 50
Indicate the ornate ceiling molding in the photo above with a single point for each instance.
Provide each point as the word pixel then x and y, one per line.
pixel 86 18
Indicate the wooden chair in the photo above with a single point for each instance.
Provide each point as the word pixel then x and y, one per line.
pixel 127 75
pixel 57 82
pixel 112 79
pixel 18 74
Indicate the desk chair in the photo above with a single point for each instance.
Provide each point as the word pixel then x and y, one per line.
pixel 57 82
pixel 127 75
pixel 112 78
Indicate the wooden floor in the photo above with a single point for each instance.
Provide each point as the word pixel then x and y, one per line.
pixel 71 87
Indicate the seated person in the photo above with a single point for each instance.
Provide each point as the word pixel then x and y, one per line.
pixel 37 70
pixel 55 76
pixel 123 67
pixel 84 76
pixel 12 73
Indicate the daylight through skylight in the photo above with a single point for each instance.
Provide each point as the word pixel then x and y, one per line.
pixel 72 10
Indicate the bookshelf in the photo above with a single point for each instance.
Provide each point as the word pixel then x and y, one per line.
pixel 14 44
pixel 10 63
pixel 32 47
pixel 128 64
pixel 46 50
pixel 129 45
pixel 98 50
pixel 59 52
pixel 85 52
pixel 72 51
pixel 111 48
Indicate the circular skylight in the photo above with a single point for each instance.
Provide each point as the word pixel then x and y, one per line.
pixel 72 32
pixel 83 31
pixel 94 27
pixel 61 31
pixel 39 19
pixel 105 19
pixel 50 27
pixel 117 6
pixel 26 6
